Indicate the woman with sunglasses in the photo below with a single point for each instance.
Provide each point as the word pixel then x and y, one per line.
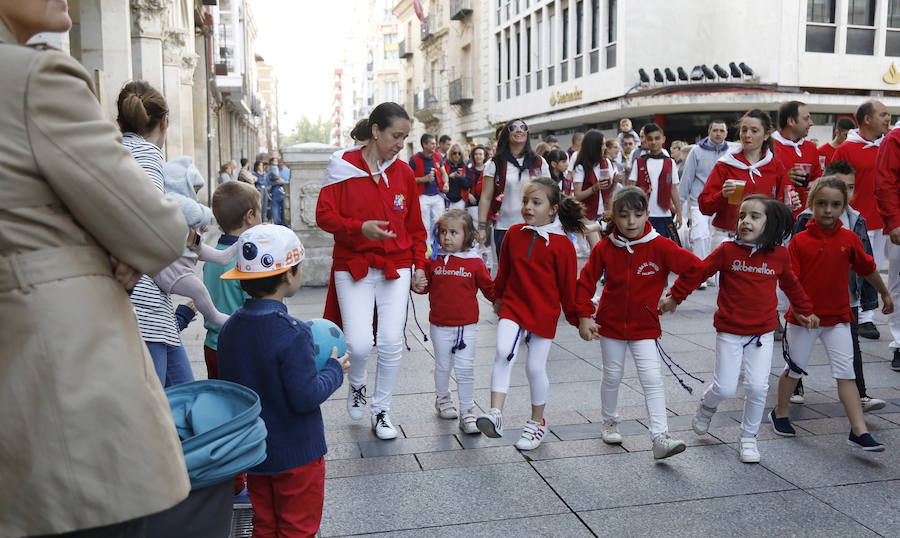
pixel 511 167
pixel 458 193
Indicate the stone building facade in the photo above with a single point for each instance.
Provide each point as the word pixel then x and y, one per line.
pixel 198 53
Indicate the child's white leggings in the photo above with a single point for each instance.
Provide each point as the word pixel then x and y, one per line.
pixel 462 359
pixel 509 338
pixel 646 361
pixel 358 300
pixel 751 355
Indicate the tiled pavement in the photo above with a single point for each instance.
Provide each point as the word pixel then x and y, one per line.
pixel 436 481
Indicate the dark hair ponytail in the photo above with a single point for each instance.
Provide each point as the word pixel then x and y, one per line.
pixel 362 131
pixel 569 210
pixel 383 116
pixel 140 107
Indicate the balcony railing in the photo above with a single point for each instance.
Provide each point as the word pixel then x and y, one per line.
pixel 461 91
pixel 460 9
pixel 428 28
pixel 427 105
pixel 403 51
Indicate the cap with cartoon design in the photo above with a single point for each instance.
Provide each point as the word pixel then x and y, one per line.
pixel 265 250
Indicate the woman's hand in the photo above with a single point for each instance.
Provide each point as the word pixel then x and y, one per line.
pixel 419 281
pixel 124 273
pixel 727 188
pixel 373 231
pixel 481 236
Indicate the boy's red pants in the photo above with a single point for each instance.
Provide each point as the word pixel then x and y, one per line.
pixel 290 503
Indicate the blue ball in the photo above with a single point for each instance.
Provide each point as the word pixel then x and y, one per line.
pixel 326 335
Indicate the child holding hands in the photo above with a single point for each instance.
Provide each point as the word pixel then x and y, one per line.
pixel 821 257
pixel 749 268
pixel 637 261
pixel 455 273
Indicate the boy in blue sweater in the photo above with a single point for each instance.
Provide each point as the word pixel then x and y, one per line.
pixel 264 348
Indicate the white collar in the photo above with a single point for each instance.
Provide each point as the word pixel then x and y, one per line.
pixel 753 246
pixel 730 160
pixel 788 142
pixel 627 243
pixel 854 136
pixel 545 230
pixel 339 170
pixel 465 254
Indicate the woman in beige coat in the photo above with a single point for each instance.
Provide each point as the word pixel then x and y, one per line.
pixel 86 435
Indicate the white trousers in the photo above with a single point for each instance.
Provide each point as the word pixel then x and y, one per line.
pixel 892 253
pixel 444 339
pixel 752 356
pixel 458 205
pixel 701 232
pixel 509 339
pixel 646 361
pixel 880 251
pixel 358 300
pixel 838 347
pixel 432 207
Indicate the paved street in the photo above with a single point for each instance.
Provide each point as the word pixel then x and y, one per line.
pixel 436 481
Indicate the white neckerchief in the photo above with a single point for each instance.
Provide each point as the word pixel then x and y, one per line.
pixel 753 246
pixel 731 160
pixel 627 243
pixel 854 136
pixel 465 254
pixel 545 230
pixel 788 142
pixel 897 125
pixel 339 170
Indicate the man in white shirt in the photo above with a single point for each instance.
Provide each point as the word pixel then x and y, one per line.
pixel 657 174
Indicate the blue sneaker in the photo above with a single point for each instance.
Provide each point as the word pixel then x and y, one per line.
pixel 865 442
pixel 782 426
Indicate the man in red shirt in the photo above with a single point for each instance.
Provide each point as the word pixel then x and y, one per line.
pixel 861 151
pixel 841 128
pixel 794 150
pixel 887 195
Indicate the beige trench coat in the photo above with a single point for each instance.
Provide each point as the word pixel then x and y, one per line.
pixel 86 434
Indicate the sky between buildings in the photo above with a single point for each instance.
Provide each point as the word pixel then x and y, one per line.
pixel 304 40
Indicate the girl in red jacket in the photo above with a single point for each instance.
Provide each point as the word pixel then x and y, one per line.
pixel 821 256
pixel 749 268
pixel 455 274
pixel 537 273
pixel 637 261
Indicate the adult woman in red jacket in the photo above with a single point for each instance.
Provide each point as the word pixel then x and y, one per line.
pixel 370 203
pixel 752 168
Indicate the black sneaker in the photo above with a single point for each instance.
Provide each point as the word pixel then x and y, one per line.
pixel 895 362
pixel 865 442
pixel 868 330
pixel 782 426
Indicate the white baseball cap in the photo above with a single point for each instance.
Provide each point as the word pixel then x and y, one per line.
pixel 265 250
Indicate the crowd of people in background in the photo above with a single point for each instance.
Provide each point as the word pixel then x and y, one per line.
pixel 268 175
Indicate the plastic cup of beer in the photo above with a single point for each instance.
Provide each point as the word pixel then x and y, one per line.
pixel 806 167
pixel 822 162
pixel 604 177
pixel 738 193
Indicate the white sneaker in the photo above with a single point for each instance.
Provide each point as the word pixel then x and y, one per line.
pixel 665 446
pixel 749 450
pixel 381 425
pixel 871 404
pixel 356 401
pixel 532 434
pixel 702 418
pixel 610 432
pixel 703 286
pixel 491 423
pixel 445 408
pixel 467 422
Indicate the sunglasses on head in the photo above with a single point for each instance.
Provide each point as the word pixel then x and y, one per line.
pixel 516 127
